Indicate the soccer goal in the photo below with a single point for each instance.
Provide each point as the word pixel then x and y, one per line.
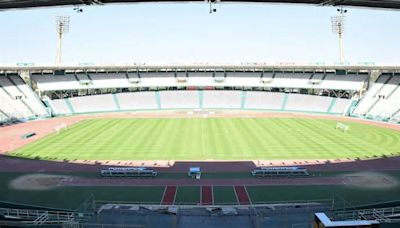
pixel 343 127
pixel 60 127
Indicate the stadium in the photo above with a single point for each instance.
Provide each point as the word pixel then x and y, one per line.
pixel 202 145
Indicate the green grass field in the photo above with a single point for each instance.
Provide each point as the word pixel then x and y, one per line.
pixel 219 139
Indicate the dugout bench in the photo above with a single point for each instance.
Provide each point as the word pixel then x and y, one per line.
pixel 128 172
pixel 279 172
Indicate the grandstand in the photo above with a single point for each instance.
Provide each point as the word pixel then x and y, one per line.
pixel 382 99
pixel 18 99
pixel 249 145
pixel 227 99
pixel 279 79
pixel 311 90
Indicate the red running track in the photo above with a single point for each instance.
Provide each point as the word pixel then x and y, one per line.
pixel 206 195
pixel 242 196
pixel 169 195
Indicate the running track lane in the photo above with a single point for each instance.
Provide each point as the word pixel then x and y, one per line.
pixel 169 195
pixel 242 196
pixel 206 195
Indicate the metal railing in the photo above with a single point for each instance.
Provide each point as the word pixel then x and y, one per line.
pixel 385 215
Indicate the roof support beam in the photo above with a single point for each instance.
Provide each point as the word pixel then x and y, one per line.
pixel 331 2
pixel 92 2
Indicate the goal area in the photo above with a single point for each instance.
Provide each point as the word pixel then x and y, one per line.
pixel 342 127
pixel 60 127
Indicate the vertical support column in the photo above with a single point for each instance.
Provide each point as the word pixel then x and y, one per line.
pixel 284 102
pixel 69 104
pixel 158 99
pixel 116 101
pixel 351 107
pixel 333 103
pixel 49 106
pixel 243 101
pixel 201 97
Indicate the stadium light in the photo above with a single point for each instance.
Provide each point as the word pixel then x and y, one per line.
pixel 338 27
pixel 212 8
pixel 62 27
pixel 78 9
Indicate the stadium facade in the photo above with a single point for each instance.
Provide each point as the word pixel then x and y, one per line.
pixel 38 92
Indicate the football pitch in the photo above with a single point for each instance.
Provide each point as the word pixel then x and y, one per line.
pixel 213 139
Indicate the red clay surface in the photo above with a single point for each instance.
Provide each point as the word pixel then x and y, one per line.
pixel 242 196
pixel 206 195
pixel 169 195
pixel 10 138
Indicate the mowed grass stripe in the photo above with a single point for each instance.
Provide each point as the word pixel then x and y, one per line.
pixel 240 140
pixel 115 137
pixel 322 137
pixel 337 137
pixel 209 138
pixel 348 142
pixel 51 139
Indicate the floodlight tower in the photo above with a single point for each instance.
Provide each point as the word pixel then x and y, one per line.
pixel 338 27
pixel 212 5
pixel 62 27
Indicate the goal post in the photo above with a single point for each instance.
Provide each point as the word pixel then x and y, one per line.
pixel 60 127
pixel 342 127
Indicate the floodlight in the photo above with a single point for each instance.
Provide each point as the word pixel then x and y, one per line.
pixel 62 27
pixel 338 27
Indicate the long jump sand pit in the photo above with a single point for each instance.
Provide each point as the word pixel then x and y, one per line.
pixel 370 180
pixel 38 182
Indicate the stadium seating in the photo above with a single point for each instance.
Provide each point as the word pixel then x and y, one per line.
pixel 209 99
pixel 97 103
pixel 396 117
pixel 389 101
pixel 179 99
pixel 342 82
pixel 302 102
pixel 382 101
pixel 18 100
pixel 199 79
pixel 222 99
pixel 157 80
pixel 137 101
pixel 264 100
pixel 31 99
pixel 241 79
pixel 290 80
pixel 61 106
pixel 109 80
pixel 56 82
pixel 370 96
pixel 340 105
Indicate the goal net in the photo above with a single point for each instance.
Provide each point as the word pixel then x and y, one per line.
pixel 342 127
pixel 60 127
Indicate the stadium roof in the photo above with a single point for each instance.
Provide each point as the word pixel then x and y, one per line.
pixel 16 4
pixel 10 69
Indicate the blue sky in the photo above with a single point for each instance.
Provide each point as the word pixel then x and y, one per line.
pixel 187 33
